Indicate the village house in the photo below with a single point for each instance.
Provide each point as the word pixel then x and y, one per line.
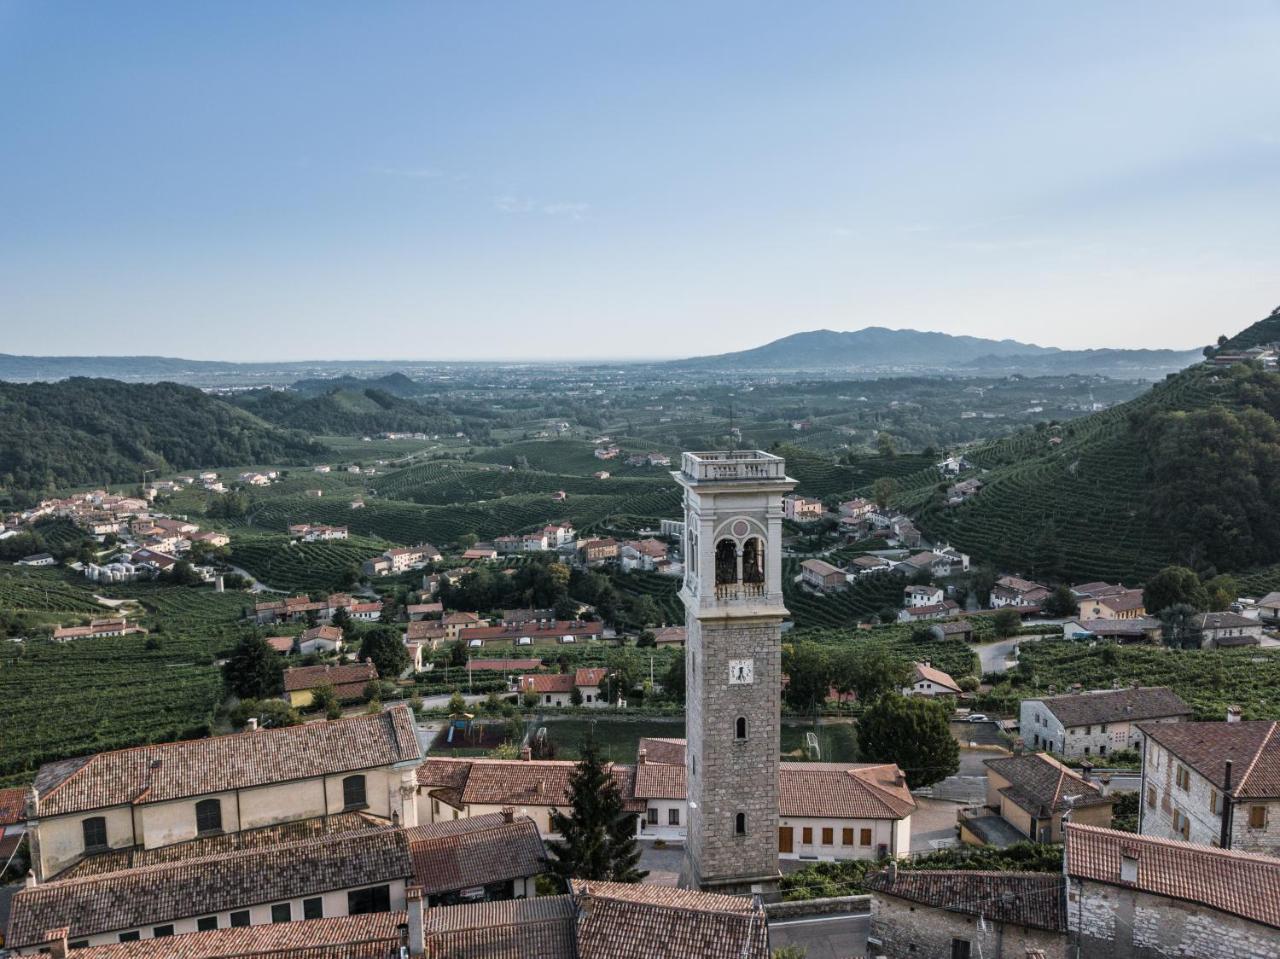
pixel 461 788
pixel 670 636
pixel 1217 784
pixel 967 914
pixel 953 466
pixel 958 493
pixel 153 560
pixel 1098 722
pixel 98 628
pixel 920 614
pixel 36 559
pixel 317 533
pixel 284 645
pixel 862 565
pixel 1131 895
pixel 320 639
pixel 492 857
pixel 1027 797
pixel 168 793
pixel 821 575
pixel 856 508
pixel 420 611
pixel 642 554
pixel 211 538
pixel 532 634
pixel 801 510
pixel 1012 591
pixel 953 629
pixel 348 682
pixel 1269 609
pixel 1104 601
pixel 1140 630
pixel 558 689
pixel 594 552
pixel 454 624
pixel 1226 630
pixel 480 551
pixel 922 595
pixel 930 681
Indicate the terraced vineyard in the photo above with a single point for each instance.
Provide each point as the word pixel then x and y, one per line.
pixel 551 456
pixel 433 486
pixel 45 594
pixel 953 656
pixel 844 609
pixel 302 567
pixel 663 590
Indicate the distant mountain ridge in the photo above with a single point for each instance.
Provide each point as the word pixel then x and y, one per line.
pixel 878 349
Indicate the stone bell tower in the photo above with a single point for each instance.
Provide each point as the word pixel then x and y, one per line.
pixel 732 596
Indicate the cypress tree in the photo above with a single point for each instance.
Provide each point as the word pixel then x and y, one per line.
pixel 598 836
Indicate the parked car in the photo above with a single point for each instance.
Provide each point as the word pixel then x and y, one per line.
pixel 978 718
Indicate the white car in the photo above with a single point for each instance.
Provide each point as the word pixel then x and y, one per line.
pixel 568 639
pixel 475 643
pixel 524 641
pixel 977 718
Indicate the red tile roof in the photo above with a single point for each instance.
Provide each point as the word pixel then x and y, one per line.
pixel 12 806
pixel 541 928
pixel 347 681
pixel 505 665
pixel 1036 780
pixel 541 683
pixel 372 936
pixel 925 672
pixel 461 853
pixel 513 782
pixel 1252 747
pixel 843 791
pixel 281 644
pixel 590 676
pixel 167 771
pixel 662 750
pixel 1242 884
pixel 1034 899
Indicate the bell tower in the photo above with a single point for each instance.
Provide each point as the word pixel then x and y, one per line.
pixel 733 604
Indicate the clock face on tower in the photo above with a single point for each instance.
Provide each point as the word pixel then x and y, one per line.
pixel 741 672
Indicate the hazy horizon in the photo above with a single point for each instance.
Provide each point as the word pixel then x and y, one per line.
pixel 564 181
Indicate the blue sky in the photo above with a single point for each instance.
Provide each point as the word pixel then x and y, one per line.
pixel 474 179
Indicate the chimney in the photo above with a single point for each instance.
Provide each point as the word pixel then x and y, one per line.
pixel 55 942
pixel 893 870
pixel 642 756
pixel 1086 770
pixel 526 753
pixel 508 814
pixel 251 724
pixel 417 933
pixel 1234 714
pixel 1224 836
pixel 30 881
pixel 1129 864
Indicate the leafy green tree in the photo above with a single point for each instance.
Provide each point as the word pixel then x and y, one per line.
pixel 382 646
pixel 457 654
pixel 913 732
pixel 883 490
pixel 1061 602
pixel 868 671
pixel 575 697
pixel 253 670
pixel 456 703
pixel 1174 586
pixel 885 445
pixel 324 699
pixel 530 699
pixel 342 620
pixel 598 834
pixel 646 639
pixel 809 674
pixel 1177 626
pixel 673 679
pixel 270 713
pixel 1222 591
pixel 1007 622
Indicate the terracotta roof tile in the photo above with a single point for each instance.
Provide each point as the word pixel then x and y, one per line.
pixel 542 928
pixel 1025 898
pixel 370 936
pixel 191 768
pixel 461 853
pixel 1242 884
pixel 512 782
pixel 1252 747
pixel 843 791
pixel 12 806
pixel 660 781
pixel 547 683
pixel 297 678
pixel 505 665
pixel 659 750
pixel 1115 705
pixel 1037 780
pixel 163 893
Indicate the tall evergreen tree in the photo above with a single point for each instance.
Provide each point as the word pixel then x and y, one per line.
pixel 598 836
pixel 253 670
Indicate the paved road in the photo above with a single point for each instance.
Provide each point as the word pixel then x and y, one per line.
pixel 996 656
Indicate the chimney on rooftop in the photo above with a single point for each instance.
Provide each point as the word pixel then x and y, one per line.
pixel 642 756
pixel 417 934
pixel 1086 770
pixel 508 814
pixel 1234 714
pixel 526 753
pixel 1128 864
pixel 251 724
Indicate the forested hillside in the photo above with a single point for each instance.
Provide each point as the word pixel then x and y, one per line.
pixel 347 410
pixel 81 432
pixel 1188 473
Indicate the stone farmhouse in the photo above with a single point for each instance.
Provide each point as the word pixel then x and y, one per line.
pixel 1216 784
pixel 1028 797
pixel 1098 722
pixel 1130 895
pixel 1226 630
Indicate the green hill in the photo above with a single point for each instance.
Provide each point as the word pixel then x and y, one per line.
pixel 81 432
pixel 347 410
pixel 1189 472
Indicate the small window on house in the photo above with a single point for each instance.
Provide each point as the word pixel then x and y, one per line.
pixel 740 824
pixel 209 816
pixel 846 837
pixel 1102 750
pixel 282 912
pixel 131 936
pixel 373 899
pixel 960 949
pixel 206 923
pixel 1257 817
pixel 1088 730
pixel 740 728
pixel 1213 801
pixel 313 908
pixel 673 816
pixel 548 699
pixel 864 837
pixel 652 816
pixel 435 807
pixel 240 919
pixel 1151 797
pixel 162 932
pixel 1184 778
pixel 353 794
pixel 95 833
pixel 806 835
pixel 1103 727
pixel 828 836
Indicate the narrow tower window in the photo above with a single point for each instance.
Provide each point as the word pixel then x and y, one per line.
pixel 740 728
pixel 740 824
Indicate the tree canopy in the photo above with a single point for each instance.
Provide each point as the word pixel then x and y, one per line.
pixel 915 733
pixel 382 646
pixel 254 670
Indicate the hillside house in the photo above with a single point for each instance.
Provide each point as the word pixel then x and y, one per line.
pixel 1113 603
pixel 857 508
pixel 920 614
pixel 594 552
pixel 1269 609
pixel 320 639
pixel 454 624
pixel 953 913
pixel 642 554
pixel 557 689
pixel 1226 630
pixel 922 595
pixel 348 682
pixel 1217 784
pixel 953 629
pixel 1013 591
pixel 420 611
pixel 863 565
pixel 36 559
pixel 798 509
pixel 953 466
pixel 928 680
pixel 1098 722
pixel 1027 797
pixel 97 629
pixel 1130 895
pixel 1141 630
pixel 167 793
pixel 964 490
pixel 821 575
pixel 317 533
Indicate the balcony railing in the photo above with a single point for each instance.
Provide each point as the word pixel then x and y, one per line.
pixel 733 465
pixel 730 591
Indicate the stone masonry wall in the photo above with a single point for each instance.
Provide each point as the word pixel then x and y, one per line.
pixel 907 930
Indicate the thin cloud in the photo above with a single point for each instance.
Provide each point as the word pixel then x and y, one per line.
pixel 525 206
